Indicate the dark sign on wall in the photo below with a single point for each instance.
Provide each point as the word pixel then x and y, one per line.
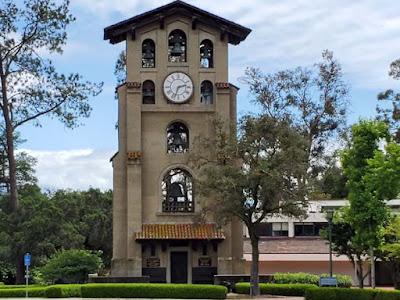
pixel 153 262
pixel 205 261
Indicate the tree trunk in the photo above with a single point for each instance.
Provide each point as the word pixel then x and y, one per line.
pixel 13 204
pixel 360 273
pixel 20 273
pixel 254 278
pixel 372 257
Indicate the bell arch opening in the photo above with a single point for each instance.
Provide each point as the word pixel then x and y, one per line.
pixel 177 138
pixel 177 191
pixel 177 46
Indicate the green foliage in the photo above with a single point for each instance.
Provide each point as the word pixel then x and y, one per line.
pixel 348 294
pixel 391 113
pixel 276 289
pixel 307 278
pixel 20 292
pixel 64 291
pixel 373 177
pixel 291 278
pixel 46 223
pixel 147 290
pixel 71 266
pixel 387 295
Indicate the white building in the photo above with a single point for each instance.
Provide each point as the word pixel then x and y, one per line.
pixel 293 245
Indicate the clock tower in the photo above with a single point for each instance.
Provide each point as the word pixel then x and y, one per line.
pixel 176 84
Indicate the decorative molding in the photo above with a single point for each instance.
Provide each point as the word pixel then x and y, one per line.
pixel 133 84
pixel 222 85
pixel 134 155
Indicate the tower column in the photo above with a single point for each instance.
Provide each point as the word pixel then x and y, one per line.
pixel 134 178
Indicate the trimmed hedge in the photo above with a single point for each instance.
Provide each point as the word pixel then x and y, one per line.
pixel 20 292
pixel 63 291
pixel 149 290
pixel 276 289
pixel 351 294
pixel 307 278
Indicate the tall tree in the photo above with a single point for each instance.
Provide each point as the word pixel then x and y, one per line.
pixel 389 107
pixel 343 244
pixel 252 177
pixel 373 177
pixel 31 87
pixel 314 100
pixel 390 249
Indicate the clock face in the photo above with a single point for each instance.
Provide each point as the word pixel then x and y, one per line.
pixel 178 87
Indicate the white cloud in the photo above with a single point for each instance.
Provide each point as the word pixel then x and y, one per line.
pixel 363 34
pixel 75 169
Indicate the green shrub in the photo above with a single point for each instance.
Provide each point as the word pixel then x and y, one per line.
pixel 305 278
pixel 321 294
pixel 276 289
pixel 149 290
pixel 340 294
pixel 387 295
pixel 20 292
pixel 71 266
pixel 63 291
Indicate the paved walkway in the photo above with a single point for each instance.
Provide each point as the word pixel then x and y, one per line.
pixel 230 296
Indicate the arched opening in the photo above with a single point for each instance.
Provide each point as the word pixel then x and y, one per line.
pixel 177 46
pixel 206 54
pixel 177 191
pixel 177 138
pixel 148 54
pixel 148 92
pixel 206 92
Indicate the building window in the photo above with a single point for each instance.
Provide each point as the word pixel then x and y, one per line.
pixel 177 138
pixel 308 229
pixel 206 54
pixel 148 54
pixel 148 92
pixel 273 229
pixel 177 46
pixel 177 191
pixel 206 91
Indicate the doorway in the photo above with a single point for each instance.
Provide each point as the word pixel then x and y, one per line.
pixel 179 266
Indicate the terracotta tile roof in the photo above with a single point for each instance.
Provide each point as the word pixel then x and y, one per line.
pixel 180 232
pixel 289 246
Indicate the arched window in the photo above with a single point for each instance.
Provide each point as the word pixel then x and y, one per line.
pixel 177 191
pixel 206 91
pixel 148 54
pixel 177 138
pixel 148 93
pixel 206 54
pixel 177 46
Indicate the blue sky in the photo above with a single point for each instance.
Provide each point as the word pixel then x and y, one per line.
pixel 364 36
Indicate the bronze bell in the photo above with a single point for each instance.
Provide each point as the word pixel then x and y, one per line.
pixel 177 141
pixel 206 53
pixel 148 93
pixel 148 54
pixel 175 191
pixel 176 49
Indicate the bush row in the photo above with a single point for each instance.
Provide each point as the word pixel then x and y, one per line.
pixel 63 291
pixel 350 294
pixel 20 292
pixel 307 278
pixel 148 290
pixel 276 289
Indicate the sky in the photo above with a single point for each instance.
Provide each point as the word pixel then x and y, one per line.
pixel 364 36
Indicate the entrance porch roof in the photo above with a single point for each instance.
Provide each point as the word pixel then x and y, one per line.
pixel 180 232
